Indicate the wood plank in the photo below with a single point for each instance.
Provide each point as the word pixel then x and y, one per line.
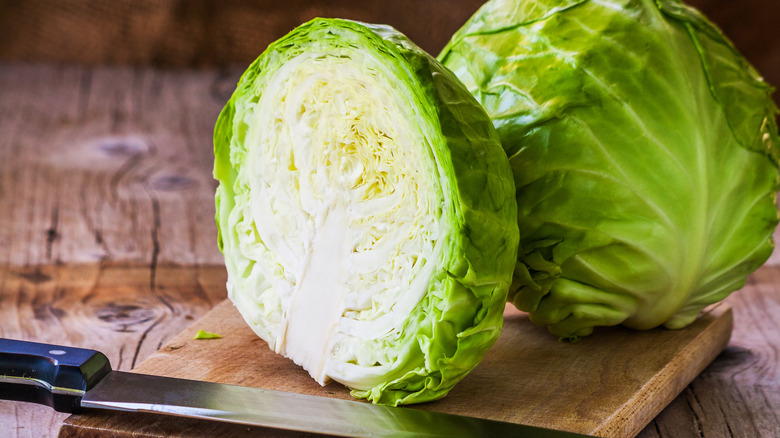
pixel 188 33
pixel 127 312
pixel 108 164
pixel 609 384
pixel 105 178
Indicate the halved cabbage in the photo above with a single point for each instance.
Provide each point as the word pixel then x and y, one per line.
pixel 365 210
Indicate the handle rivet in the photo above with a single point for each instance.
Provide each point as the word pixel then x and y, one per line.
pixel 57 352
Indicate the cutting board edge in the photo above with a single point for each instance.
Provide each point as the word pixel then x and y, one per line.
pixel 672 384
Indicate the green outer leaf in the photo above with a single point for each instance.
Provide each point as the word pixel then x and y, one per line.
pixel 461 315
pixel 644 149
pixel 202 334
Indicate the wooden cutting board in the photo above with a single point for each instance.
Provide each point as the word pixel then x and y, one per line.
pixel 612 383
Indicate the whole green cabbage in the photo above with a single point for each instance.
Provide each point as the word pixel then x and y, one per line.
pixel 365 210
pixel 644 149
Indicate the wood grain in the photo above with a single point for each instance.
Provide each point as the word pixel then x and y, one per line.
pixel 200 33
pixel 610 384
pixel 190 33
pixel 739 394
pixel 108 168
pixel 108 164
pixel 127 312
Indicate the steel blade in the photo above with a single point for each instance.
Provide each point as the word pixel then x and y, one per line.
pixel 290 411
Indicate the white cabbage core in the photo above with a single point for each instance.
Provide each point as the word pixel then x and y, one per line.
pixel 342 224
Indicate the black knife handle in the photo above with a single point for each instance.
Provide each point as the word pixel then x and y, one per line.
pixel 51 375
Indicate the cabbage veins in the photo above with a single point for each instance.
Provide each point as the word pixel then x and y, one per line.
pixel 644 150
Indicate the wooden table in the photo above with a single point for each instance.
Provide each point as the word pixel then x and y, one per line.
pixel 106 225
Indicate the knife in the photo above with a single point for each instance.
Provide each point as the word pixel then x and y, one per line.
pixel 72 380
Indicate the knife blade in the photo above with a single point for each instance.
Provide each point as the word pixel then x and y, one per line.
pixel 73 379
